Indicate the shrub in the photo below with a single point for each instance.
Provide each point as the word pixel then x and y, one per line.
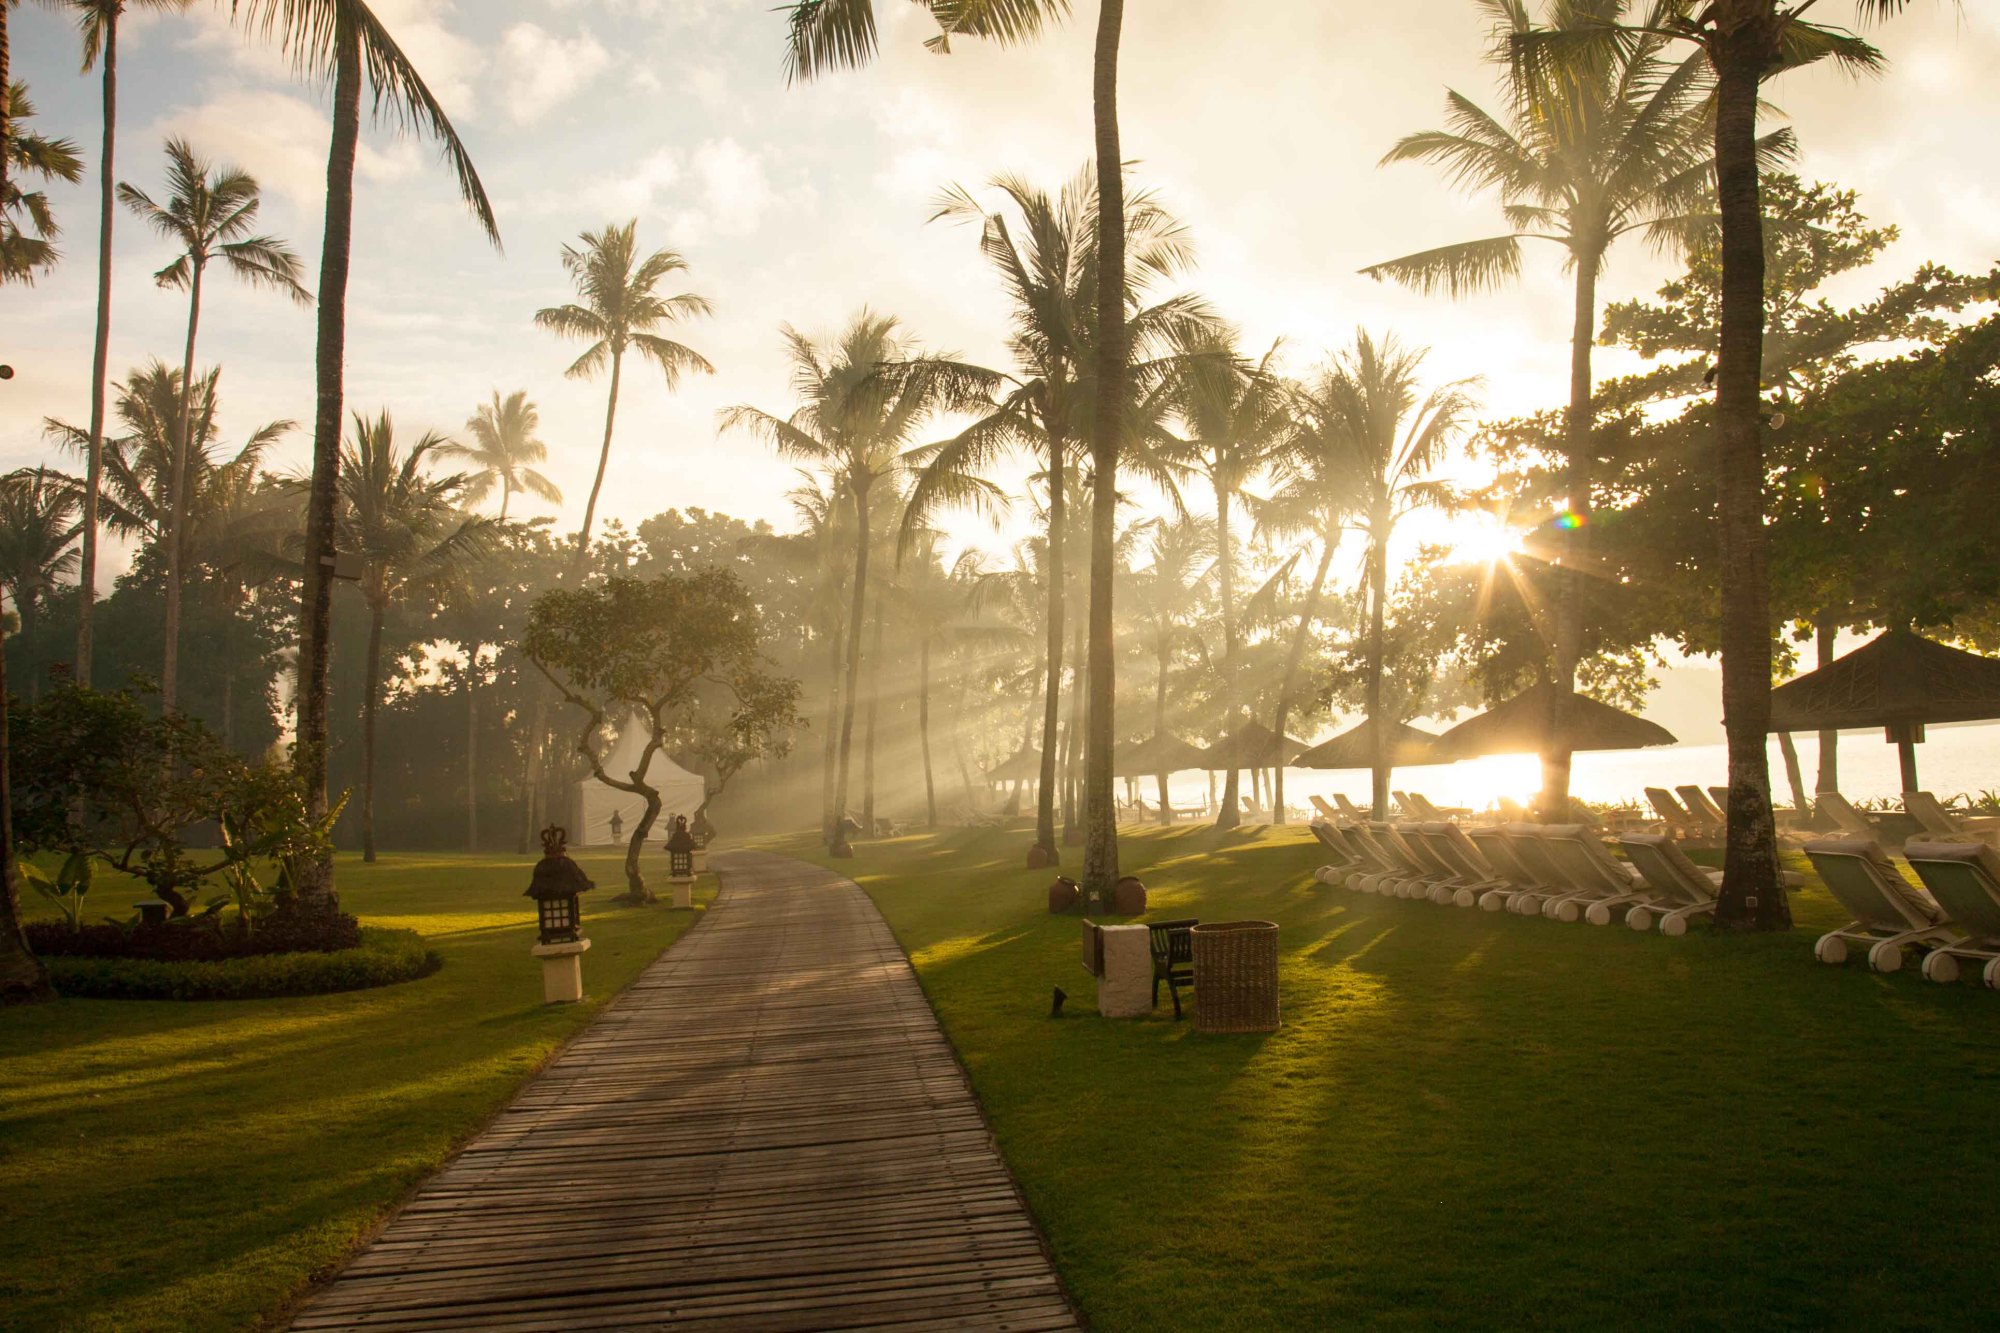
pixel 382 957
pixel 291 929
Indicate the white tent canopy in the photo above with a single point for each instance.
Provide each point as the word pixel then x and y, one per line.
pixel 597 803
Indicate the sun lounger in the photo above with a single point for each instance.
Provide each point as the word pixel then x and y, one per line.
pixel 1551 879
pixel 1345 859
pixel 1702 808
pixel 1889 915
pixel 1844 816
pixel 1498 849
pixel 1681 889
pixel 1319 804
pixel 1472 874
pixel 1964 878
pixel 1610 883
pixel 1940 823
pixel 1679 822
pixel 1428 874
pixel 1350 809
pixel 1382 870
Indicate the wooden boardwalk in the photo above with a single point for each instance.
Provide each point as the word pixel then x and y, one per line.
pixel 767 1131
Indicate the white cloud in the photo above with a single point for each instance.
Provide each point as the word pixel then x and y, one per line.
pixel 540 70
pixel 637 192
pixel 734 189
pixel 446 61
pixel 282 141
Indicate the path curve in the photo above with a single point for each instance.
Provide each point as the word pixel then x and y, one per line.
pixel 767 1130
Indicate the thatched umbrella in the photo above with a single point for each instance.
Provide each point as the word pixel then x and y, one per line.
pixel 1252 745
pixel 1524 725
pixel 1025 766
pixel 1163 753
pixel 1355 748
pixel 1897 681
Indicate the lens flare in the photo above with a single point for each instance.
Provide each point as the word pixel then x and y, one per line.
pixel 1569 520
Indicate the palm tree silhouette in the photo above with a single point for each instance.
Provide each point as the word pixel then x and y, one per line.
pixel 504 444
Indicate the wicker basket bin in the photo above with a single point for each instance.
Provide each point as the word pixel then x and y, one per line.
pixel 1236 976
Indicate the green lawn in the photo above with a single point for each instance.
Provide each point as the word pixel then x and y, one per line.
pixel 191 1165
pixel 1468 1119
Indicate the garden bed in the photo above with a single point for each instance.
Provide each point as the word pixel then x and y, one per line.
pixel 382 957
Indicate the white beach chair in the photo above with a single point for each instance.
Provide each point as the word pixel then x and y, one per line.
pixel 1612 883
pixel 1889 914
pixel 1514 876
pixel 1844 816
pixel 1939 823
pixel 1964 878
pixel 1681 889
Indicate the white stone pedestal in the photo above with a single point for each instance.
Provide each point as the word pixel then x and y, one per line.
pixel 1125 987
pixel 701 860
pixel 562 971
pixel 683 890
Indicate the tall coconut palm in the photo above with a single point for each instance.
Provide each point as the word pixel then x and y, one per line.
pixel 39 522
pixel 1745 42
pixel 1238 421
pixel 28 225
pixel 1318 487
pixel 1589 151
pixel 1166 599
pixel 97 26
pixel 208 214
pixel 621 309
pixel 501 453
pixel 840 34
pixel 863 396
pixel 408 529
pixel 824 516
pixel 1044 249
pixel 343 43
pixel 1367 408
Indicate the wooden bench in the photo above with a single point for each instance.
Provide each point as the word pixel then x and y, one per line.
pixel 1173 957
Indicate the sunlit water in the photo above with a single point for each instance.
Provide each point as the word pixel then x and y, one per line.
pixel 1953 760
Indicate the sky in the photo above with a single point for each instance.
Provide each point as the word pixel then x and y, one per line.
pixel 1260 125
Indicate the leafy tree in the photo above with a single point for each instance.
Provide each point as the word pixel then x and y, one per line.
pixel 648 651
pixel 621 309
pixel 408 529
pixel 1603 139
pixel 502 453
pixel 97 27
pixel 27 224
pixel 209 216
pixel 340 41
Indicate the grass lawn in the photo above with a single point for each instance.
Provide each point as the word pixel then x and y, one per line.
pixel 171 1165
pixel 1468 1119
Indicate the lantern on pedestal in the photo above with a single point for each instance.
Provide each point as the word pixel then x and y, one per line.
pixel 680 862
pixel 704 834
pixel 555 888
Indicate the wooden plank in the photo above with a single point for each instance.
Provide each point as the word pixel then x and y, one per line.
pixel 767 1130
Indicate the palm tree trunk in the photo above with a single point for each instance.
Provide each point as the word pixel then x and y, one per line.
pixel 1160 729
pixel 1378 590
pixel 924 730
pixel 100 357
pixel 1794 774
pixel 316 625
pixel 856 618
pixel 177 505
pixel 1045 807
pixel 1568 646
pixel 471 752
pixel 1751 896
pixel 1073 740
pixel 1292 661
pixel 21 975
pixel 1824 630
pixel 603 461
pixel 874 708
pixel 371 687
pixel 828 749
pixel 1100 815
pixel 1231 813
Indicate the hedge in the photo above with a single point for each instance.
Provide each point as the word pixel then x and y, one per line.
pixel 383 958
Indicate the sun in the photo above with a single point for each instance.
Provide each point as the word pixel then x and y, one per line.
pixel 1481 538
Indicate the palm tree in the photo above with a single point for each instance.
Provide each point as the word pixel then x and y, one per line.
pixel 862 398
pixel 210 218
pixel 27 224
pixel 621 309
pixel 1745 42
pixel 38 528
pixel 97 25
pixel 1238 421
pixel 824 517
pixel 1367 410
pixel 1044 249
pixel 1318 487
pixel 1591 150
pixel 503 447
pixel 840 34
pixel 341 41
pixel 408 529
pixel 1166 599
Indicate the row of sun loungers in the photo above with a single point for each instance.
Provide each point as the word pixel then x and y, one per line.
pixel 1957 921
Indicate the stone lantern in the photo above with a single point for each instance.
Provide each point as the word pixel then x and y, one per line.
pixel 703 833
pixel 680 862
pixel 555 888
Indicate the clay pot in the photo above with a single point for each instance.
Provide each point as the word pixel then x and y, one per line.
pixel 1129 898
pixel 1041 858
pixel 840 851
pixel 1063 895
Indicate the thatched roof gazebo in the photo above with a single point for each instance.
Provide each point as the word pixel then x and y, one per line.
pixel 1252 745
pixel 1024 766
pixel 1162 753
pixel 1897 681
pixel 1525 724
pixel 1403 745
